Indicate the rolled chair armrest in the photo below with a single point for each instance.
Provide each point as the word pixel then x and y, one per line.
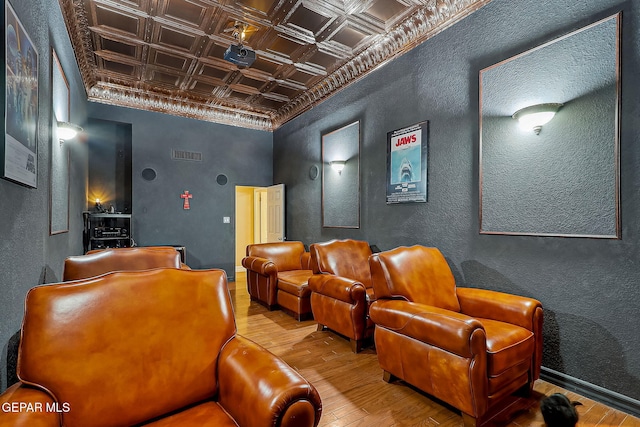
pixel 338 287
pixel 25 406
pixel 305 261
pixel 260 265
pixel 258 389
pixel 508 308
pixel 445 329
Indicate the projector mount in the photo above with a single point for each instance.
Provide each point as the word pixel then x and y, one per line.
pixel 239 31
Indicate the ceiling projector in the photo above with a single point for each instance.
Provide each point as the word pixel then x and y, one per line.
pixel 240 55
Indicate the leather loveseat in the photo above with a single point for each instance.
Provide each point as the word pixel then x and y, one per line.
pixel 474 349
pixel 101 261
pixel 156 347
pixel 278 275
pixel 341 289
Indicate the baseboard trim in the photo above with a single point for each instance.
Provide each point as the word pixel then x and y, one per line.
pixel 592 391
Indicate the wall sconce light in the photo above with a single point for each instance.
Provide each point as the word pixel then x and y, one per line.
pixel 67 130
pixel 535 116
pixel 338 165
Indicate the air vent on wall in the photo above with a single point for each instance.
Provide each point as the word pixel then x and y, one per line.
pixel 186 155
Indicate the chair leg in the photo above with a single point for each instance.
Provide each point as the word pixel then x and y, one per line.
pixel 525 391
pixel 356 345
pixel 320 327
pixel 388 377
pixel 469 421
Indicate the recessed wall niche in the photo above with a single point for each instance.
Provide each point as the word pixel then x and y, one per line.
pixel 564 180
pixel 110 164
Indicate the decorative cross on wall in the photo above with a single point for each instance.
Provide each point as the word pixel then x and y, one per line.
pixel 186 196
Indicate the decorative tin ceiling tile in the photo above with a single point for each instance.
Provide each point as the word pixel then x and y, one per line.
pixel 163 79
pixel 165 59
pixel 112 67
pixel 174 38
pixel 111 47
pixel 306 18
pixel 167 55
pixel 349 35
pixel 188 12
pixel 260 7
pixel 202 88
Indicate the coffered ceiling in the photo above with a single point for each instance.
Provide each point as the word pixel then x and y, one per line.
pixel 167 55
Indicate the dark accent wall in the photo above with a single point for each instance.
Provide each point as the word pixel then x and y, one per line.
pixel 243 155
pixel 590 288
pixel 109 145
pixel 28 254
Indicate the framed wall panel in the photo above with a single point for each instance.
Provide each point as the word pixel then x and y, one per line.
pixel 60 156
pixel 562 179
pixel 341 177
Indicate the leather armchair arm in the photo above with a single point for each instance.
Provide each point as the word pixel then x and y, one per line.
pixel 338 287
pixel 305 261
pixel 501 306
pixel 258 389
pixel 25 406
pixel 261 266
pixel 445 329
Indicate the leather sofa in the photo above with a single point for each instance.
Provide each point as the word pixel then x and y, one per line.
pixel 278 275
pixel 471 348
pixel 156 347
pixel 100 261
pixel 342 289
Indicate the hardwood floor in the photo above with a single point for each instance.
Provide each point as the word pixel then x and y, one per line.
pixel 351 386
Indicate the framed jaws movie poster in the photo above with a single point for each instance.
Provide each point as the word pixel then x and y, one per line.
pixel 19 152
pixel 407 161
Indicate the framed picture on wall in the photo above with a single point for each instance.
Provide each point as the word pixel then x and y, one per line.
pixel 19 152
pixel 407 161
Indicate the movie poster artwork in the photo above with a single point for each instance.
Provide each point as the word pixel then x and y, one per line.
pixel 19 151
pixel 407 151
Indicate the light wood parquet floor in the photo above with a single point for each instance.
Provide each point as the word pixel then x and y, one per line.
pixel 351 386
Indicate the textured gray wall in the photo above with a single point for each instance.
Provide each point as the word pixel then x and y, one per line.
pixel 28 255
pixel 589 288
pixel 243 155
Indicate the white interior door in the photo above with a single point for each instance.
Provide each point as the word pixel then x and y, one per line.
pixel 275 213
pixel 259 215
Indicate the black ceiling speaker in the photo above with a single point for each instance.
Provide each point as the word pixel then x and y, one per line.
pixel 148 174
pixel 222 179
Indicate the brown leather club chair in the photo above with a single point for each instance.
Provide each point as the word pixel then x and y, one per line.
pixel 101 261
pixel 154 347
pixel 471 348
pixel 341 289
pixel 277 276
